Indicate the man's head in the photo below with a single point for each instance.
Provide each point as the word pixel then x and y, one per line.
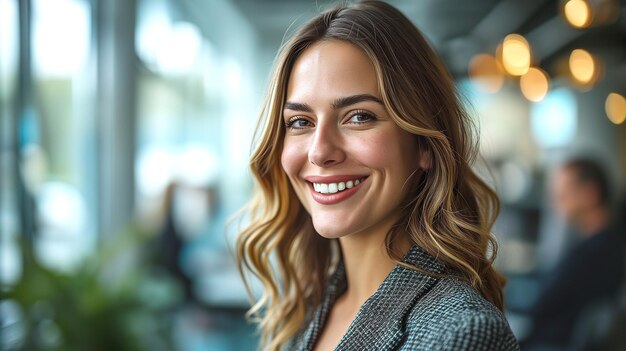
pixel 578 187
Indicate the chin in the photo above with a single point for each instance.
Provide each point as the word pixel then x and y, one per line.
pixel 330 231
pixel 329 234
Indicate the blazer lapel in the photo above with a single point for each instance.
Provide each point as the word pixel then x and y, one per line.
pixel 335 287
pixel 379 324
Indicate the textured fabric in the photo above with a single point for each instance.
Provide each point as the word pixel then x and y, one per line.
pixel 414 311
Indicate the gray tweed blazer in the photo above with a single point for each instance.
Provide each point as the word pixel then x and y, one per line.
pixel 414 311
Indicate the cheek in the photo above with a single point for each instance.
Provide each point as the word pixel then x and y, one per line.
pixel 374 152
pixel 292 158
pixel 388 150
pixel 373 149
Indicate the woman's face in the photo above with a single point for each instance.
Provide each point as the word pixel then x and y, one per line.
pixel 347 160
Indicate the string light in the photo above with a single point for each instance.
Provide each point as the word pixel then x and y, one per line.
pixel 577 13
pixel 584 68
pixel 615 106
pixel 515 55
pixel 534 84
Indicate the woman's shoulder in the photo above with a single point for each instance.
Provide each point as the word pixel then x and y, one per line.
pixel 452 315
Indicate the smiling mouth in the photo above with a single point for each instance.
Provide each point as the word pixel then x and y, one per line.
pixel 333 188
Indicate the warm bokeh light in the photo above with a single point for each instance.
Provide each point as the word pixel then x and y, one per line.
pixel 515 54
pixel 486 73
pixel 577 13
pixel 534 84
pixel 583 67
pixel 615 106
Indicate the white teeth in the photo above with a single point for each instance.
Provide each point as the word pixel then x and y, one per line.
pixel 323 188
pixel 332 188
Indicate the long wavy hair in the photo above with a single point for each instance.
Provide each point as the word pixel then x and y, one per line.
pixel 449 211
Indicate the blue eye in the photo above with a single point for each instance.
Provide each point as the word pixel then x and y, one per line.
pixel 298 123
pixel 360 117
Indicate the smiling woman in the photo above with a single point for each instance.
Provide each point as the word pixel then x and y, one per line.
pixel 338 131
pixel 366 202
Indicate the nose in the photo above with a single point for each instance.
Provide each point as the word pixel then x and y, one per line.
pixel 325 149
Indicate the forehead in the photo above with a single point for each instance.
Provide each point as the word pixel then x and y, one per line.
pixel 329 68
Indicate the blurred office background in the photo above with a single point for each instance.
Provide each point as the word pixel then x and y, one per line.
pixel 125 132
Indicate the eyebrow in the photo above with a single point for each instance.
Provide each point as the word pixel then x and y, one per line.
pixel 337 104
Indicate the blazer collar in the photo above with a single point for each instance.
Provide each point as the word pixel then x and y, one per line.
pixel 381 317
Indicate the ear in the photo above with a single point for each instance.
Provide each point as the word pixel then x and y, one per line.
pixel 425 158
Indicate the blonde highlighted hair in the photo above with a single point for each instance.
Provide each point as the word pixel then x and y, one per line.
pixel 449 211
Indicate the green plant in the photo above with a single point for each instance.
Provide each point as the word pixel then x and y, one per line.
pixel 118 299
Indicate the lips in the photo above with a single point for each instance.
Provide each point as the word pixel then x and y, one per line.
pixel 331 188
pixel 334 189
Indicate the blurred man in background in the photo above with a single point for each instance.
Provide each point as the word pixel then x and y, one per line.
pixel 590 273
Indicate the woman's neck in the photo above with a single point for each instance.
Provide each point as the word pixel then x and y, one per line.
pixel 367 264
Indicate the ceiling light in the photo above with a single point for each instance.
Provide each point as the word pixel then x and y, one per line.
pixel 577 13
pixel 583 67
pixel 615 106
pixel 534 84
pixel 515 55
